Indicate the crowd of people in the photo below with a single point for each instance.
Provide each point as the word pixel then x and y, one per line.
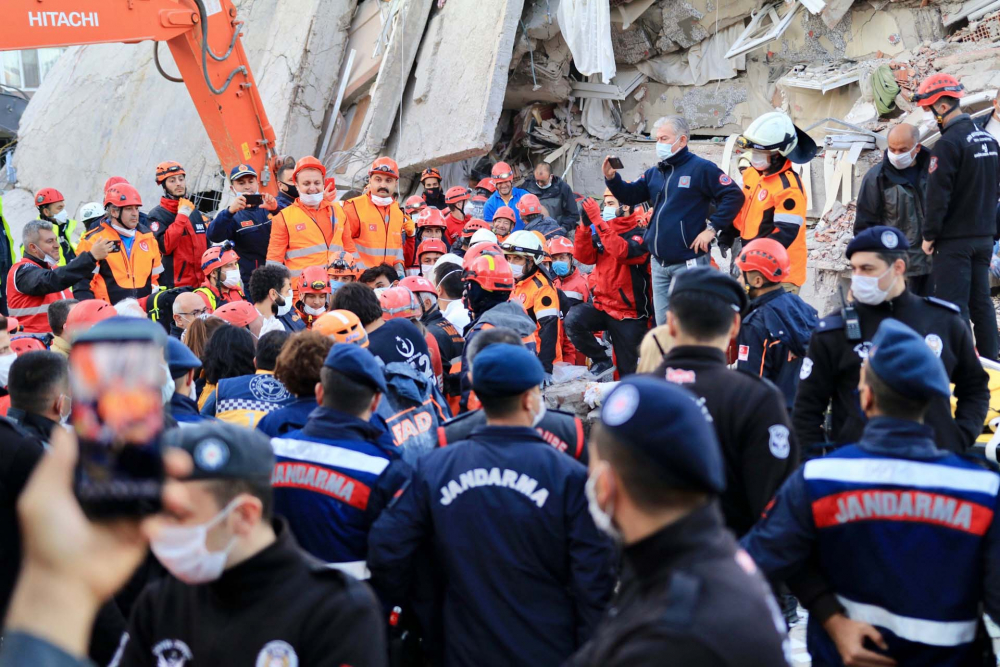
pixel 361 468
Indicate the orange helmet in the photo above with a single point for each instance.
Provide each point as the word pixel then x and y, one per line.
pixel 766 256
pixel 399 302
pixel 86 314
pixel 164 170
pixel 342 326
pixel 430 173
pixel 491 272
pixel 314 281
pixel 529 205
pixel 431 217
pixel 937 86
pixel 237 313
pixel 24 344
pixel 308 162
pixel 431 245
pixel 121 195
pixel 113 180
pixel 487 184
pixel 218 256
pixel 559 245
pixel 502 173
pixel 385 166
pixel 472 226
pixel 343 265
pixel 417 284
pixel 47 196
pixel 507 213
pixel 414 204
pixel 455 195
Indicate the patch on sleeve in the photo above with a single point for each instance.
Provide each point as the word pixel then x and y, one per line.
pixel 744 352
pixel 789 204
pixel 637 238
pixel 155 226
pixel 546 301
pixel 778 441
pixel 807 368
pixel 933 166
pixel 724 180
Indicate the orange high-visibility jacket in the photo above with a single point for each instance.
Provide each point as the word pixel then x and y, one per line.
pixel 373 234
pixel 122 274
pixel 301 236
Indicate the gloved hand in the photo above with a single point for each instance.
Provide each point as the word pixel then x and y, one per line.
pixel 547 381
pixel 723 250
pixel 185 207
pixel 995 267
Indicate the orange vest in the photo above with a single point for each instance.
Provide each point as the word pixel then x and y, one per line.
pixel 31 311
pixel 301 237
pixel 123 275
pixel 772 199
pixel 374 235
pixel 539 299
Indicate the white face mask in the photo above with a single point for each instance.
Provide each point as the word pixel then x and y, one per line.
pixel 664 150
pixel 192 392
pixel 184 552
pixel 469 208
pixel 5 363
pixel 900 161
pixel 427 270
pixel 51 261
pixel 517 270
pixel 124 231
pixel 759 161
pixel 287 306
pixel 168 387
pixel 867 291
pixel 311 200
pixel 232 278
pixel 602 519
pixel 314 311
pixel 381 201
pixel 541 412
pixel 61 217
pixel 544 187
pixel 609 213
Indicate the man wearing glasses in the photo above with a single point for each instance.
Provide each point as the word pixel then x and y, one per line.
pixel 188 306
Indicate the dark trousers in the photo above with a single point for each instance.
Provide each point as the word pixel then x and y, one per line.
pixel 583 320
pixel 961 274
pixel 920 285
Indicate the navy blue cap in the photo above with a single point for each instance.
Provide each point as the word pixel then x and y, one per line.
pixel 908 363
pixel 224 451
pixel 180 358
pixel 505 370
pixel 664 422
pixel 879 238
pixel 123 328
pixel 357 363
pixel 241 170
pixel 707 280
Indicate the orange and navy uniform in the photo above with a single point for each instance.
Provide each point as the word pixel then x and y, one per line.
pixel 216 297
pixel 540 300
pixel 130 272
pixel 574 288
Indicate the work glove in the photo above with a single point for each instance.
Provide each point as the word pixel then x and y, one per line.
pixel 185 207
pixel 547 380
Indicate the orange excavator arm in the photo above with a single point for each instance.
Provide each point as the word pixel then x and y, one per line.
pixel 204 39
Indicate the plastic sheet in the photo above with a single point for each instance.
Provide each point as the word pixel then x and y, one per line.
pixel 586 27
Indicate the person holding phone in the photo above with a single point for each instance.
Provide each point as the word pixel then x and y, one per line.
pixel 246 222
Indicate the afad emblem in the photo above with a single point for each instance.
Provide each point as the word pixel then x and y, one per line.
pixel 277 654
pixel 762 195
pixel 935 343
pixel 144 246
pixel 724 180
pixel 155 226
pixel 172 653
pixel 933 166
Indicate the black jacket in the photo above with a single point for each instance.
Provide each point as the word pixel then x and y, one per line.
pixel 888 197
pixel 687 599
pixel 278 604
pixel 752 425
pixel 562 430
pixel 961 196
pixel 19 453
pixel 37 279
pixel 832 368
pixel 558 199
pixel 34 425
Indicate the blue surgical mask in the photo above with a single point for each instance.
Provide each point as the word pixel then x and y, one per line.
pixel 609 213
pixel 664 151
pixel 336 285
pixel 560 268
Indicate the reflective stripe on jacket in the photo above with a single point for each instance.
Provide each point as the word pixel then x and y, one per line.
pixel 122 275
pixel 31 311
pixel 374 235
pixel 301 237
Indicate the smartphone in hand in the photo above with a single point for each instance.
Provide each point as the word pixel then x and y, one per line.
pixel 615 163
pixel 253 201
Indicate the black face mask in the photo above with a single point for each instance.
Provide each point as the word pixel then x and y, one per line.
pixel 479 300
pixel 290 190
pixel 432 192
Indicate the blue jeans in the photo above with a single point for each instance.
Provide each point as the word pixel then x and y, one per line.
pixel 662 277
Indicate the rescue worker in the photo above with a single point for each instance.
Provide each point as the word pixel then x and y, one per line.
pixel 272 296
pixel 8 256
pixel 775 204
pixel 37 280
pixel 506 194
pixel 842 341
pixel 245 399
pixel 314 291
pixel 621 285
pixel 681 190
pixel 133 266
pixel 341 439
pixel 430 179
pixel 775 332
pixel 382 276
pixel 375 229
pixel 91 214
pixel 342 270
pixel 655 472
pixel 342 326
pixel 236 566
pixel 57 313
pixel 430 225
pixel 220 266
pixel 484 190
pixel 555 195
pixel 180 229
pixel 534 291
pixel 759 449
pixel 247 227
pixel 414 206
pixel 397 303
pixel 570 283
pixel 284 175
pixel 503 223
pixel 51 207
pixel 535 219
pixel 303 234
pixel 472 226
pixel 875 516
pixel 528 591
pixel 457 199
pixel 184 365
pixel 960 219
pixel 449 340
pixel 298 368
pixel 429 252
pixel 450 290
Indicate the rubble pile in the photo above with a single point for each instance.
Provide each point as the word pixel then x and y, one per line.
pixel 830 238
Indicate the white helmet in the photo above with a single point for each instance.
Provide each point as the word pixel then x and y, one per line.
pixel 91 210
pixel 775 131
pixel 524 243
pixel 481 236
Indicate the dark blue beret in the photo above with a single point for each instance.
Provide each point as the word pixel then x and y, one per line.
pixel 180 358
pixel 664 422
pixel 879 238
pixel 357 363
pixel 224 451
pixel 907 362
pixel 707 280
pixel 505 370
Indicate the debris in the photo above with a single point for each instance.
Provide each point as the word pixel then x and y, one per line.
pixel 766 24
pixel 986 30
pixel 822 77
pixel 832 234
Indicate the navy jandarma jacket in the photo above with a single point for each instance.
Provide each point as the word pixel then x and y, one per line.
pixel 681 190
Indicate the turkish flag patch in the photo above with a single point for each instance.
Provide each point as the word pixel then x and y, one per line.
pixel 762 195
pixel 144 246
pixel 300 228
pixel 637 238
pixel 155 226
pixel 372 228
pixel 933 166
pixel 246 223
pixel 744 353
pixel 724 180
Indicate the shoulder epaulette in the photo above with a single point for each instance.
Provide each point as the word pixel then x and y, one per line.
pixel 831 322
pixel 942 303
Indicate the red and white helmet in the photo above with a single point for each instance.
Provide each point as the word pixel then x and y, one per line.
pixel 418 284
pixel 414 204
pixel 502 173
pixel 431 217
pixel 431 245
pixel 456 194
pixel 399 302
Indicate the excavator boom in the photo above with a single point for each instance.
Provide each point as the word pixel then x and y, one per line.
pixel 203 37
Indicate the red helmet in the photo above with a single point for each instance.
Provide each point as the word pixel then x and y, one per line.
pixel 766 256
pixel 480 249
pixel 308 162
pixel 399 302
pixel 431 245
pixel 86 314
pixel 431 217
pixel 218 256
pixel 487 184
pixel 13 326
pixel 430 173
pixel 414 204
pixel 47 196
pixel 937 86
pixel 121 195
pixel 529 205
pixel 455 195
pixel 491 272
pixel 502 173
pixel 237 313
pixel 507 213
pixel 559 245
pixel 113 180
pixel 385 166
pixel 343 265
pixel 164 170
pixel 23 344
pixel 472 226
pixel 314 281
pixel 417 284
pixel 342 326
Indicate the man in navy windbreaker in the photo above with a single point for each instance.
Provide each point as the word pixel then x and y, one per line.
pixel 904 533
pixel 248 227
pixel 526 574
pixel 681 190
